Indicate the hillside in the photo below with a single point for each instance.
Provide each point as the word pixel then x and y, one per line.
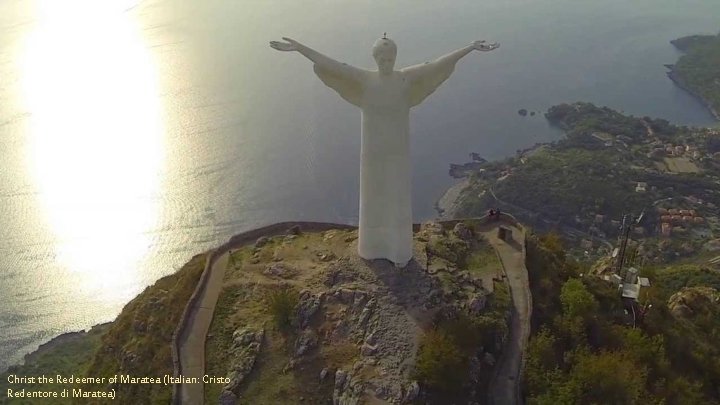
pixel 137 343
pixel 698 70
pixel 584 348
pixel 607 165
pixel 67 354
pixel 302 319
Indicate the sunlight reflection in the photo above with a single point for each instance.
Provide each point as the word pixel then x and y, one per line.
pixel 96 146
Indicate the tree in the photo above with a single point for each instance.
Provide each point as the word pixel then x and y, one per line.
pixel 576 300
pixel 541 369
pixel 608 378
pixel 441 364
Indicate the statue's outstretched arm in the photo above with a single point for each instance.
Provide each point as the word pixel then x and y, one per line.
pixel 321 61
pixel 426 77
pixel 453 57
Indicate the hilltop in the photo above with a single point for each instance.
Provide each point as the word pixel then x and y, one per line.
pixel 327 326
pixel 302 319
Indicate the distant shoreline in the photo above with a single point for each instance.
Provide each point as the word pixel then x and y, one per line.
pixel 53 344
pixel 675 79
pixel 684 45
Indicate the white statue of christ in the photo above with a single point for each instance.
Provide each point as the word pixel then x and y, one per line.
pixel 385 97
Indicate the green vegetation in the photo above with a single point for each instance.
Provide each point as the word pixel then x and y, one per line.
pixel 698 70
pixel 66 355
pixel 585 350
pixel 138 342
pixel 673 279
pixel 441 364
pixel 281 303
pixel 449 248
pixel 443 357
pixel 568 182
pixel 608 164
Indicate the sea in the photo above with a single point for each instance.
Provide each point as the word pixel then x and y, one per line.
pixel 136 134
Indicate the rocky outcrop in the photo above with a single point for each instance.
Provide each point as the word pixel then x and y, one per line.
pixel 280 270
pixel 357 325
pixel 307 307
pixel 464 170
pixel 247 344
pixel 692 301
pixel 463 232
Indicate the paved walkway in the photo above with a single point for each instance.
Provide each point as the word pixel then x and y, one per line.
pixel 504 386
pixel 192 346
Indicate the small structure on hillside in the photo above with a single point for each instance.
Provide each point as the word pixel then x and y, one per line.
pixel 504 233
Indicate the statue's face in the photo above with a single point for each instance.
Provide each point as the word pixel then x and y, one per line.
pixel 384 52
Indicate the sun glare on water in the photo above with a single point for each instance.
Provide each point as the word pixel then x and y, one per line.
pixel 96 143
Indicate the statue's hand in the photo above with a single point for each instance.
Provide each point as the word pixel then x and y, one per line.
pixel 290 45
pixel 483 46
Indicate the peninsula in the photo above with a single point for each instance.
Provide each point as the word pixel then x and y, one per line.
pixel 698 70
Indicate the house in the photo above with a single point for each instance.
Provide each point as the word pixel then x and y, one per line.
pixel 641 187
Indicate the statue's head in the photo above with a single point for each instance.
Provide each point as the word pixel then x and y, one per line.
pixel 384 51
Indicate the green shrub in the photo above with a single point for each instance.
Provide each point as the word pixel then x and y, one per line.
pixel 282 302
pixel 441 364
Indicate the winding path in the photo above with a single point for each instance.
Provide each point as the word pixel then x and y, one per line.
pixel 505 384
pixel 192 344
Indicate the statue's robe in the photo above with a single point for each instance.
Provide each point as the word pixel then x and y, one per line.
pixel 385 223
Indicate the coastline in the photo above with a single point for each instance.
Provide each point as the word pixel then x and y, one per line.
pixel 55 343
pixel 678 82
pixel 446 206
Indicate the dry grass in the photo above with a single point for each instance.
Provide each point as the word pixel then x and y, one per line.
pixel 681 165
pixel 144 328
